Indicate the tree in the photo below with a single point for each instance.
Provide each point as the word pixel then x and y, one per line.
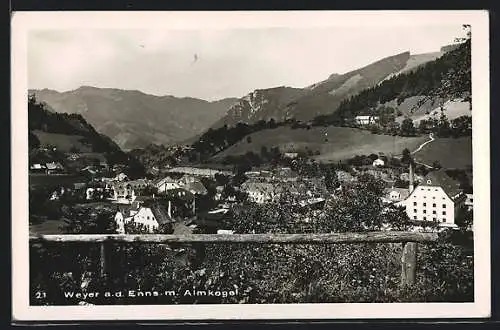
pixel 436 165
pixel 331 180
pixel 407 128
pixel 406 158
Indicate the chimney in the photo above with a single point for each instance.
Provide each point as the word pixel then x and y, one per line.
pixel 410 186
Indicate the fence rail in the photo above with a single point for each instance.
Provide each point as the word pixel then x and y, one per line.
pixel 408 258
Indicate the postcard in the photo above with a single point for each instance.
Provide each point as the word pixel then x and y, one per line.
pixel 250 165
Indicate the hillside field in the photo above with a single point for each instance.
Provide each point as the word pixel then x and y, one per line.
pixel 63 142
pixel 449 152
pixel 333 143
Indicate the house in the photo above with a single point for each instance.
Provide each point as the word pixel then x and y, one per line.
pixel 378 162
pixel 395 196
pixel 38 168
pixel 437 199
pixel 193 185
pixel 139 184
pixel 261 192
pixel 121 177
pixel 166 184
pixel 365 120
pixel 54 168
pixel 123 192
pixel 147 216
pixel 469 201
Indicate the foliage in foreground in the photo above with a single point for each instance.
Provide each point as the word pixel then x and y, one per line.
pixel 259 274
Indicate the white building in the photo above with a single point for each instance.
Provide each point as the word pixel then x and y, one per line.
pixel 378 162
pixel 366 120
pixel 148 218
pixel 436 199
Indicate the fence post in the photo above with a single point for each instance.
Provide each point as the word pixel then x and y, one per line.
pixel 408 263
pixel 102 269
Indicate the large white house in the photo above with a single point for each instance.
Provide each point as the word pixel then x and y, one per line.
pixel 436 199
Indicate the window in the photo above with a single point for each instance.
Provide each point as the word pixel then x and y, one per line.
pixel 425 211
pixel 415 217
pixel 433 219
pixel 425 196
pixel 414 203
pixel 444 212
pixel 428 189
pixel 425 204
pixel 434 205
pixel 433 212
pixel 444 220
pixel 444 206
pixel 414 210
pixel 425 218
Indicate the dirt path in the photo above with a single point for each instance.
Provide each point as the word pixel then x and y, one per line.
pixel 431 138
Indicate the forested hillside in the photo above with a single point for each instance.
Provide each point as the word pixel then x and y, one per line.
pixel 69 133
pixel 446 78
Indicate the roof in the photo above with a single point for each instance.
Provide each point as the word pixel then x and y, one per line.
pixel 54 166
pixel 441 179
pixel 164 180
pixel 263 187
pixel 196 187
pixel 160 213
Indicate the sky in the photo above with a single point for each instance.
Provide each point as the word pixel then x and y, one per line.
pixel 213 64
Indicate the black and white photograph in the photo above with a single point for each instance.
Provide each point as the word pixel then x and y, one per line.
pixel 195 165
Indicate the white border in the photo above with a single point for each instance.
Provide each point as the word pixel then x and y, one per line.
pixel 22 22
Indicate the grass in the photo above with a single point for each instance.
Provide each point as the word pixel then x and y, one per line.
pixel 54 180
pixel 334 143
pixel 449 152
pixel 47 227
pixel 63 142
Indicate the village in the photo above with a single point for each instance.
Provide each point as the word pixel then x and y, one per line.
pixel 190 199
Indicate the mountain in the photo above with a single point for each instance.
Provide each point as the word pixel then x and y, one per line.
pixel 134 119
pixel 261 104
pixel 323 97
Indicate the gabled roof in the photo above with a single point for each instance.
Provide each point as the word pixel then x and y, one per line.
pixel 441 179
pixel 196 187
pixel 160 213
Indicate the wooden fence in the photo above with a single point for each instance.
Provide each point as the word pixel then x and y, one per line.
pixel 408 239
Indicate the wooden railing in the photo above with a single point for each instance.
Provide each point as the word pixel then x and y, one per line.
pixel 408 258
